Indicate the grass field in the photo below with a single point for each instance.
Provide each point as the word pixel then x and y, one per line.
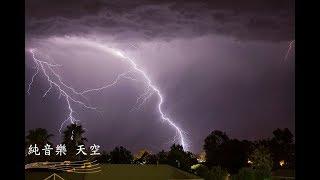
pixel 122 172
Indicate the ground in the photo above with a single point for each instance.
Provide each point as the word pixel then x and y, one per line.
pixel 122 171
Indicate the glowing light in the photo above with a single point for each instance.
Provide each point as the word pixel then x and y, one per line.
pixel 195 166
pixel 141 153
pixel 282 163
pixel 202 157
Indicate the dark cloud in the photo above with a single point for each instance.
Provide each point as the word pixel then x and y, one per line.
pixel 245 20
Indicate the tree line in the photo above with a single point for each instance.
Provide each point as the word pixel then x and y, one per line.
pixel 221 155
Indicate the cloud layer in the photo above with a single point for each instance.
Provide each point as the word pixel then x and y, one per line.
pixel 243 20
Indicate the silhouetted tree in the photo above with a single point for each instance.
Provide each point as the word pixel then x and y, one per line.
pixel 282 148
pixel 181 159
pixel 72 138
pixel 151 159
pixel 120 155
pixel 263 142
pixel 261 162
pixel 162 157
pixel 104 158
pixel 38 137
pixel 213 147
pixel 283 136
pixel 234 155
pixel 230 154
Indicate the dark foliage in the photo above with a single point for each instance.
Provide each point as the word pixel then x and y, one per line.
pixel 231 154
pixel 181 159
pixel 120 155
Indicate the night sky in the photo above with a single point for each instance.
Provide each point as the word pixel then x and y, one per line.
pixel 219 65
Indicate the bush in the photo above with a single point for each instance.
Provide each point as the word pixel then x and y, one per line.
pixel 263 174
pixel 216 173
pixel 251 174
pixel 246 174
pixel 200 170
pixel 261 163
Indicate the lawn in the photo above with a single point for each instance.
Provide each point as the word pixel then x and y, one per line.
pixel 122 172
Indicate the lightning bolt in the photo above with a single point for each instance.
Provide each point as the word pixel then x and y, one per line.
pixel 54 79
pixel 289 50
pixel 150 88
pixel 155 90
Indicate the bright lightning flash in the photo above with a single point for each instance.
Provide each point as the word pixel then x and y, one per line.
pixel 54 80
pixel 157 91
pixel 76 97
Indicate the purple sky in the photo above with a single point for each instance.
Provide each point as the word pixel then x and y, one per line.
pixel 218 64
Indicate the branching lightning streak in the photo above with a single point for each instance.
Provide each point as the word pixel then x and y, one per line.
pixel 56 81
pixel 142 99
pixel 147 94
pixel 151 88
pixel 108 85
pixel 289 50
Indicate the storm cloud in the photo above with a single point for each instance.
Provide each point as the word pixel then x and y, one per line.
pixel 218 64
pixel 269 20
